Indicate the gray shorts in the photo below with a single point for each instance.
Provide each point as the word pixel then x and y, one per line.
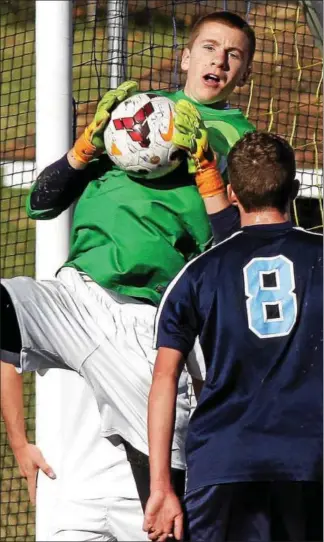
pixel 73 323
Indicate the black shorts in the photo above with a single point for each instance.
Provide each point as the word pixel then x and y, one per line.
pixel 255 512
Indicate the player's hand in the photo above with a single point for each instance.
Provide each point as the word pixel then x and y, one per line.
pixel 91 142
pixel 110 100
pixel 191 135
pixel 163 517
pixel 30 459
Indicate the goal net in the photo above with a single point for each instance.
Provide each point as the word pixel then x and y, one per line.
pixel 143 40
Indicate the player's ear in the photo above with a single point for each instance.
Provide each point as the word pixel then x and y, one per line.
pixel 185 59
pixel 231 195
pixel 295 188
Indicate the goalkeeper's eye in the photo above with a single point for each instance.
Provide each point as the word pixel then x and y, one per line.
pixel 209 47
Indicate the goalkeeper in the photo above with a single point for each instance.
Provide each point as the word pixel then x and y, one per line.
pixel 129 239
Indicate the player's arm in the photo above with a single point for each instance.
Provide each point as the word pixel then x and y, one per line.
pixel 192 135
pixel 61 183
pixel 177 328
pixel 28 456
pixel 163 513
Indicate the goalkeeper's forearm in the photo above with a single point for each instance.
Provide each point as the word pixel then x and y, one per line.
pixel 56 187
pixel 211 186
pixel 224 217
pixel 74 160
pixel 216 204
pixel 12 405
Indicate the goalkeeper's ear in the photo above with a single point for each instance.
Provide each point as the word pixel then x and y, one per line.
pixel 185 60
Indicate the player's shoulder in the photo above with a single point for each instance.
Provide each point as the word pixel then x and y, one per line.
pixel 309 238
pixel 99 167
pixel 229 115
pixel 195 271
pixel 102 172
pixel 214 254
pixel 306 247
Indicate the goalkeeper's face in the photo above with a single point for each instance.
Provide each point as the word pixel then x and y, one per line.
pixel 216 63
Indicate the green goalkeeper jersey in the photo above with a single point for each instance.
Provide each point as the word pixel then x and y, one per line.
pixel 133 237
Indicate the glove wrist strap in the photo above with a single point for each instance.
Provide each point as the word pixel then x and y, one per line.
pixel 83 150
pixel 209 180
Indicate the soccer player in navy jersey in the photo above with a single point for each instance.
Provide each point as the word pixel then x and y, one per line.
pixel 254 445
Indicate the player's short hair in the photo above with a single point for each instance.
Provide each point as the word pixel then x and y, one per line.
pixel 261 170
pixel 228 19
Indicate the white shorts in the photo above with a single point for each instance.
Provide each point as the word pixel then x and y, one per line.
pixel 95 489
pixel 74 324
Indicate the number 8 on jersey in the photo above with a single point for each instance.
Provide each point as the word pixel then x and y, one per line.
pixel 269 285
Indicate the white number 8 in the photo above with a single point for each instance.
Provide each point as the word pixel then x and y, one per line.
pixel 269 285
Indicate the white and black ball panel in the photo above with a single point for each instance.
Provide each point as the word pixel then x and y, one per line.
pixel 138 137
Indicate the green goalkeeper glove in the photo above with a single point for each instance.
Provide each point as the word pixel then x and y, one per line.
pixel 191 135
pixel 91 143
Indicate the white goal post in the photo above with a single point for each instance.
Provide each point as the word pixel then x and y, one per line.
pixel 56 389
pixel 53 139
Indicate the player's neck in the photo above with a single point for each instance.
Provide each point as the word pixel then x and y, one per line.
pixel 215 105
pixel 266 216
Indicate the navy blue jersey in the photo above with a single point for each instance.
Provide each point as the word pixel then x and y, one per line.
pixel 255 301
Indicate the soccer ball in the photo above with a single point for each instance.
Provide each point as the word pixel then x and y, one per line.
pixel 138 137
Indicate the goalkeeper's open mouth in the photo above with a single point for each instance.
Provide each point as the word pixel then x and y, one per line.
pixel 211 80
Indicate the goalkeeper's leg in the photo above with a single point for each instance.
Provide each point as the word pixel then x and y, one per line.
pixel 94 479
pixel 70 324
